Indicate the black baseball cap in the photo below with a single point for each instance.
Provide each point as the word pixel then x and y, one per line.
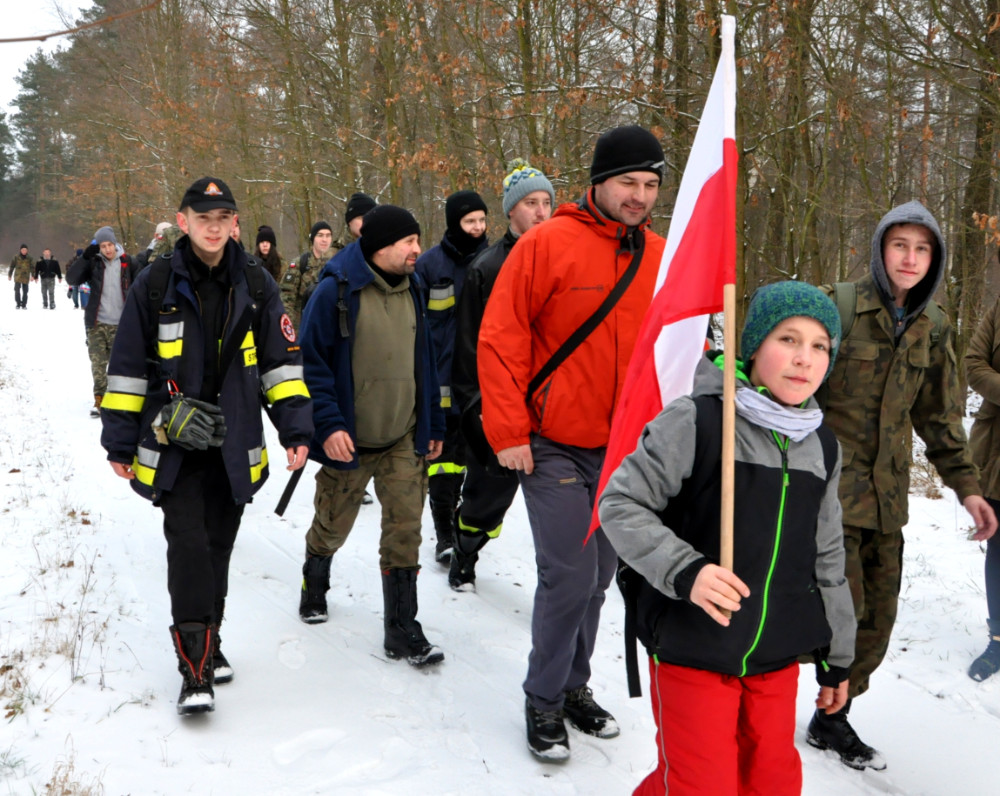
pixel 208 193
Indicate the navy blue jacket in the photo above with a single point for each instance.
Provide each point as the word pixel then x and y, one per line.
pixel 443 269
pixel 148 351
pixel 326 354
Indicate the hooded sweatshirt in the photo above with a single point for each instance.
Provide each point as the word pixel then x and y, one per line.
pixel 892 378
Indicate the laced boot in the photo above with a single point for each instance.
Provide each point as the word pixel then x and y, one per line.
pixel 988 664
pixel 222 670
pixel 315 585
pixel 404 637
pixel 547 737
pixel 96 409
pixel 193 644
pixel 587 716
pixel 835 733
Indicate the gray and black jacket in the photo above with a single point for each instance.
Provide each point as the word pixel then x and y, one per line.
pixel 661 511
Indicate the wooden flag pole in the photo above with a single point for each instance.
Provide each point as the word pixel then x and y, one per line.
pixel 728 426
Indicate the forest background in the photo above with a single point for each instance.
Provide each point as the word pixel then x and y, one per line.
pixel 844 108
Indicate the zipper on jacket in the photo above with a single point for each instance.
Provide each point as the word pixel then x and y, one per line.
pixel 783 447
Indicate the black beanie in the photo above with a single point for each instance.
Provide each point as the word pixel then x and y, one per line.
pixel 358 205
pixel 264 232
pixel 317 227
pixel 383 226
pixel 625 149
pixel 459 205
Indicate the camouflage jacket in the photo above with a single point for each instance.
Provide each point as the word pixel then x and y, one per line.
pixel 298 283
pixel 982 368
pixel 21 268
pixel 880 392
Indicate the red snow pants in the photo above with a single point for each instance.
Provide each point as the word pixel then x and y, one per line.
pixel 720 735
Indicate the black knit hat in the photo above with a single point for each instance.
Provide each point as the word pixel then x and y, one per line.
pixel 264 232
pixel 317 227
pixel 358 205
pixel 206 194
pixel 384 225
pixel 459 205
pixel 625 149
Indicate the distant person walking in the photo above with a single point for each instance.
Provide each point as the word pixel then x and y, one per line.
pixel 20 271
pixel 48 270
pixel 109 272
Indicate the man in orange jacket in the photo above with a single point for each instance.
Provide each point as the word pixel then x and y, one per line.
pixel 557 276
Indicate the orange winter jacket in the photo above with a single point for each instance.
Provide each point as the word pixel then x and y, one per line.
pixel 556 276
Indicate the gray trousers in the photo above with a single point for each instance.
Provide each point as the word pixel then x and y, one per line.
pixel 49 291
pixel 572 577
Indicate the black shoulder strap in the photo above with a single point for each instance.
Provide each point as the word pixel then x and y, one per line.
pixel 342 313
pixel 156 287
pixel 830 447
pixel 587 327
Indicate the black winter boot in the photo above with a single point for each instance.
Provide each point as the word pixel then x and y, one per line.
pixel 547 737
pixel 222 671
pixel 835 733
pixel 315 585
pixel 462 571
pixel 586 715
pixel 404 637
pixel 444 514
pixel 193 644
pixel 988 664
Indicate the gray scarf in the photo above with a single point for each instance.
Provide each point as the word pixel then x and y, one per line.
pixel 763 411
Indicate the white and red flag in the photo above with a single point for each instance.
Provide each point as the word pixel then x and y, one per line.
pixel 698 259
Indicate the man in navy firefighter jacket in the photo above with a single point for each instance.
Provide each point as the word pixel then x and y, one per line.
pixel 202 338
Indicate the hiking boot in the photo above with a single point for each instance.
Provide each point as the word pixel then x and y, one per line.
pixel 587 716
pixel 315 585
pixel 222 670
pixel 96 410
pixel 193 645
pixel 547 738
pixel 988 664
pixel 443 515
pixel 404 637
pixel 462 570
pixel 835 733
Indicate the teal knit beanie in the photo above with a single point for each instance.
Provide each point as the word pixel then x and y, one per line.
pixel 772 304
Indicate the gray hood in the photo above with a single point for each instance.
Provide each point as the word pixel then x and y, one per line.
pixel 909 213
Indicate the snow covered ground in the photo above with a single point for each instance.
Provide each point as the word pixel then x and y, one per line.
pixel 88 678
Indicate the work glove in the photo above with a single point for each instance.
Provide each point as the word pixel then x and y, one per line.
pixel 91 251
pixel 191 424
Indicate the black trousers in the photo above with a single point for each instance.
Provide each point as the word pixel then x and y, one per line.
pixel 200 522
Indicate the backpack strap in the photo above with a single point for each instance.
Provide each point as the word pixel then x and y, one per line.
pixel 845 296
pixel 342 312
pixel 936 316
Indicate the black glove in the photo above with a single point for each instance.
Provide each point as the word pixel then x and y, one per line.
pixel 91 251
pixel 192 424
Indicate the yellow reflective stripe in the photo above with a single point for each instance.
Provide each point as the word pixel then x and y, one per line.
pixel 446 402
pixel 287 389
pixel 169 350
pixel 441 298
pixel 445 468
pixel 258 463
pixel 473 529
pixel 144 465
pixel 123 401
pixel 282 373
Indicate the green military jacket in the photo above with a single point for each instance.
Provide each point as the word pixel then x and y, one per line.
pixel 982 369
pixel 21 268
pixel 297 285
pixel 879 392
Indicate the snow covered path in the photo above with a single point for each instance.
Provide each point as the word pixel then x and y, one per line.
pixel 89 679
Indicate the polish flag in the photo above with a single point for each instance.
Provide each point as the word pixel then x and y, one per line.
pixel 699 258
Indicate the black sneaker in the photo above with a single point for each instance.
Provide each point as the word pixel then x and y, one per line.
pixel 835 733
pixel 587 716
pixel 547 738
pixel 987 664
pixel 367 500
pixel 462 570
